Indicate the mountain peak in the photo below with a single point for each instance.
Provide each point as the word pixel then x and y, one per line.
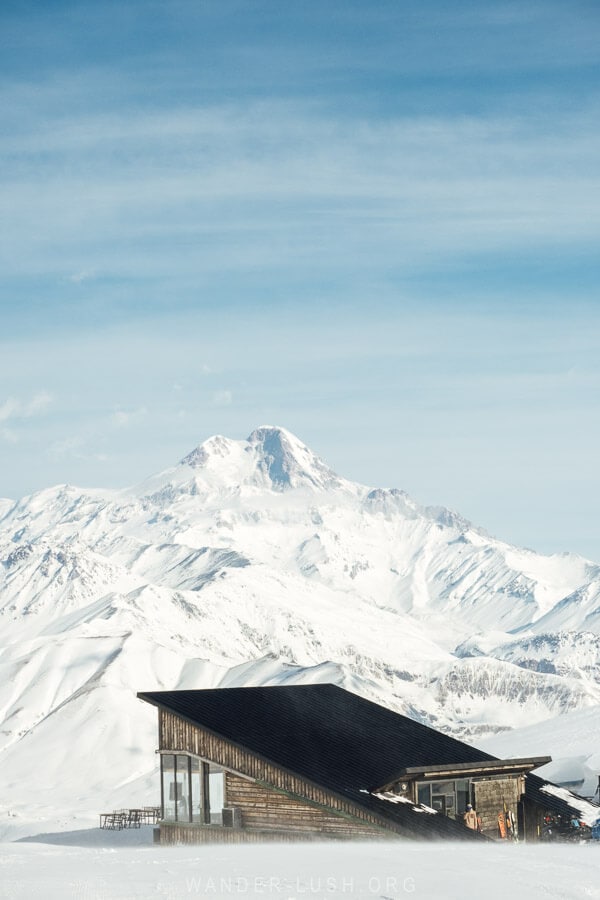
pixel 271 457
pixel 275 432
pixel 215 446
pixel 286 461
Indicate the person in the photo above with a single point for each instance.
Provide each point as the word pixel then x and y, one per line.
pixel 470 818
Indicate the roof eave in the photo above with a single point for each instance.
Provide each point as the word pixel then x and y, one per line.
pixel 483 767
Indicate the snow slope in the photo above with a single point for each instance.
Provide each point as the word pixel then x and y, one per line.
pixel 252 562
pixel 572 740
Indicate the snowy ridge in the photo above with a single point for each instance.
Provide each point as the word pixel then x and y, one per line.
pixel 252 562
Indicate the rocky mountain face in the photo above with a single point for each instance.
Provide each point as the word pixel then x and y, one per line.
pixel 252 562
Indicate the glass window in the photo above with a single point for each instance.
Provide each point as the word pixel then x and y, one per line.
pixel 217 797
pixel 183 789
pixel 443 787
pixel 192 790
pixel 167 762
pixel 463 795
pixel 424 794
pixel 447 797
pixel 438 802
pixel 196 793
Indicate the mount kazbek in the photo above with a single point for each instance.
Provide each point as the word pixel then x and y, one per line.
pixel 252 562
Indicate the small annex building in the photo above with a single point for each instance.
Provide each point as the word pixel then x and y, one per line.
pixel 315 761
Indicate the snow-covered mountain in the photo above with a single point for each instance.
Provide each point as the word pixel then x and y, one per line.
pixel 252 562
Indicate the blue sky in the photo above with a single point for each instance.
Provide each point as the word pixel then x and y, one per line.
pixel 373 223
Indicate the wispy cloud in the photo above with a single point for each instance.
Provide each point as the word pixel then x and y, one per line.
pixel 14 408
pixel 122 418
pixel 76 447
pixel 38 404
pixel 222 398
pixel 9 409
pixel 269 186
pixel 9 436
pixel 81 276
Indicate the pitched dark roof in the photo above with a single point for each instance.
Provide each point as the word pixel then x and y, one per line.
pixel 330 737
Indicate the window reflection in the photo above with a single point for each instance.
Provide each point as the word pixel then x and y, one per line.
pixel 183 788
pixel 217 795
pixel 196 785
pixel 192 790
pixel 447 797
pixel 168 786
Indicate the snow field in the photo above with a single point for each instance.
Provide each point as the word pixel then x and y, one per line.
pixel 363 871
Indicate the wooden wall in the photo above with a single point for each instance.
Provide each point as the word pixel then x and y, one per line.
pixel 264 807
